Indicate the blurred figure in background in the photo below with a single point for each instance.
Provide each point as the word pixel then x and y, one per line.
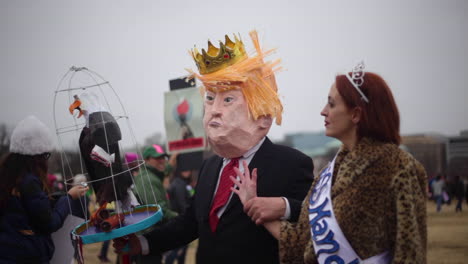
pixel 52 182
pixel 180 191
pixel 459 193
pixel 132 163
pixel 150 190
pixel 55 183
pixel 103 252
pixel 438 187
pixel 465 182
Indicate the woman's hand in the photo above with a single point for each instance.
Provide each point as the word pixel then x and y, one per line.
pixel 246 185
pixel 77 191
pixel 173 159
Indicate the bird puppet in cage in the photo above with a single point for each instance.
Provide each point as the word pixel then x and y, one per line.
pixel 99 147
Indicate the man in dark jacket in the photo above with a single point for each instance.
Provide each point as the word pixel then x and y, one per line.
pixel 241 102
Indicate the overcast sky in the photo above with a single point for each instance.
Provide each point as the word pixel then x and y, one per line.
pixel 419 47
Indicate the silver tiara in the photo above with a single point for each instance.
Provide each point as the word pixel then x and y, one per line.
pixel 357 79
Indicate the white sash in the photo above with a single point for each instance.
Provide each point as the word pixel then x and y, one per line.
pixel 330 244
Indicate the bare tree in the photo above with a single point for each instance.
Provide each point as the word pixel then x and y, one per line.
pixel 155 138
pixel 4 139
pixel 66 163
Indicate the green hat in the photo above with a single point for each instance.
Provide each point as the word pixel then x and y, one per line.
pixel 154 151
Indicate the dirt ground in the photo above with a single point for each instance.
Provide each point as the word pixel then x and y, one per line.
pixel 447 235
pixel 447 238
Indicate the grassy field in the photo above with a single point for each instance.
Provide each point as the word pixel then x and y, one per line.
pixel 447 238
pixel 447 235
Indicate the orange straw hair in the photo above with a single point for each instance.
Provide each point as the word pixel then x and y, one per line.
pixel 254 77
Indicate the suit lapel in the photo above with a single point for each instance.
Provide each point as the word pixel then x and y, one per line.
pixel 210 175
pixel 260 161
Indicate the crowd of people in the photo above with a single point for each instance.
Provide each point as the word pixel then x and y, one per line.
pixel 254 201
pixel 442 191
pixel 169 187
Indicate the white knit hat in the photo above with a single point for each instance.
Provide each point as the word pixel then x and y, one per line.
pixel 31 137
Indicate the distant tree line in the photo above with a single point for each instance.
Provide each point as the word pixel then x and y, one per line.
pixel 4 139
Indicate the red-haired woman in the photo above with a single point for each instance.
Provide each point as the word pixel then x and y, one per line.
pixel 368 205
pixel 27 217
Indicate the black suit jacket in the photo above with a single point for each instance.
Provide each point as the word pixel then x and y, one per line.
pixel 281 171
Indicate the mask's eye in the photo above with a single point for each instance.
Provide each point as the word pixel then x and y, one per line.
pixel 209 97
pixel 228 99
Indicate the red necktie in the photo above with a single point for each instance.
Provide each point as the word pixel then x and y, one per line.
pixel 222 193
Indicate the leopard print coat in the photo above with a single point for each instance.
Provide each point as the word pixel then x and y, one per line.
pixel 379 200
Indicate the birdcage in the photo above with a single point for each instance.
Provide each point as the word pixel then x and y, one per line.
pixel 93 131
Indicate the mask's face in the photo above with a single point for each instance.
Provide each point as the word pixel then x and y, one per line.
pixel 230 130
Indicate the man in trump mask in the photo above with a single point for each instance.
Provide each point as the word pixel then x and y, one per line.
pixel 241 102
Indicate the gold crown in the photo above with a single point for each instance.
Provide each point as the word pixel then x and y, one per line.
pixel 216 59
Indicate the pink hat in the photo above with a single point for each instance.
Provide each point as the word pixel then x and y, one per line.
pixel 51 178
pixel 130 156
pixel 154 151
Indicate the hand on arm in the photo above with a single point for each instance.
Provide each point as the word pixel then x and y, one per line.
pixel 265 209
pixel 260 209
pixel 246 185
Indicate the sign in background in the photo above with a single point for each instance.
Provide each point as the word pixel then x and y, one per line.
pixel 183 114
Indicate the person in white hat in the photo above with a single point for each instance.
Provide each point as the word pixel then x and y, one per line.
pixel 27 216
